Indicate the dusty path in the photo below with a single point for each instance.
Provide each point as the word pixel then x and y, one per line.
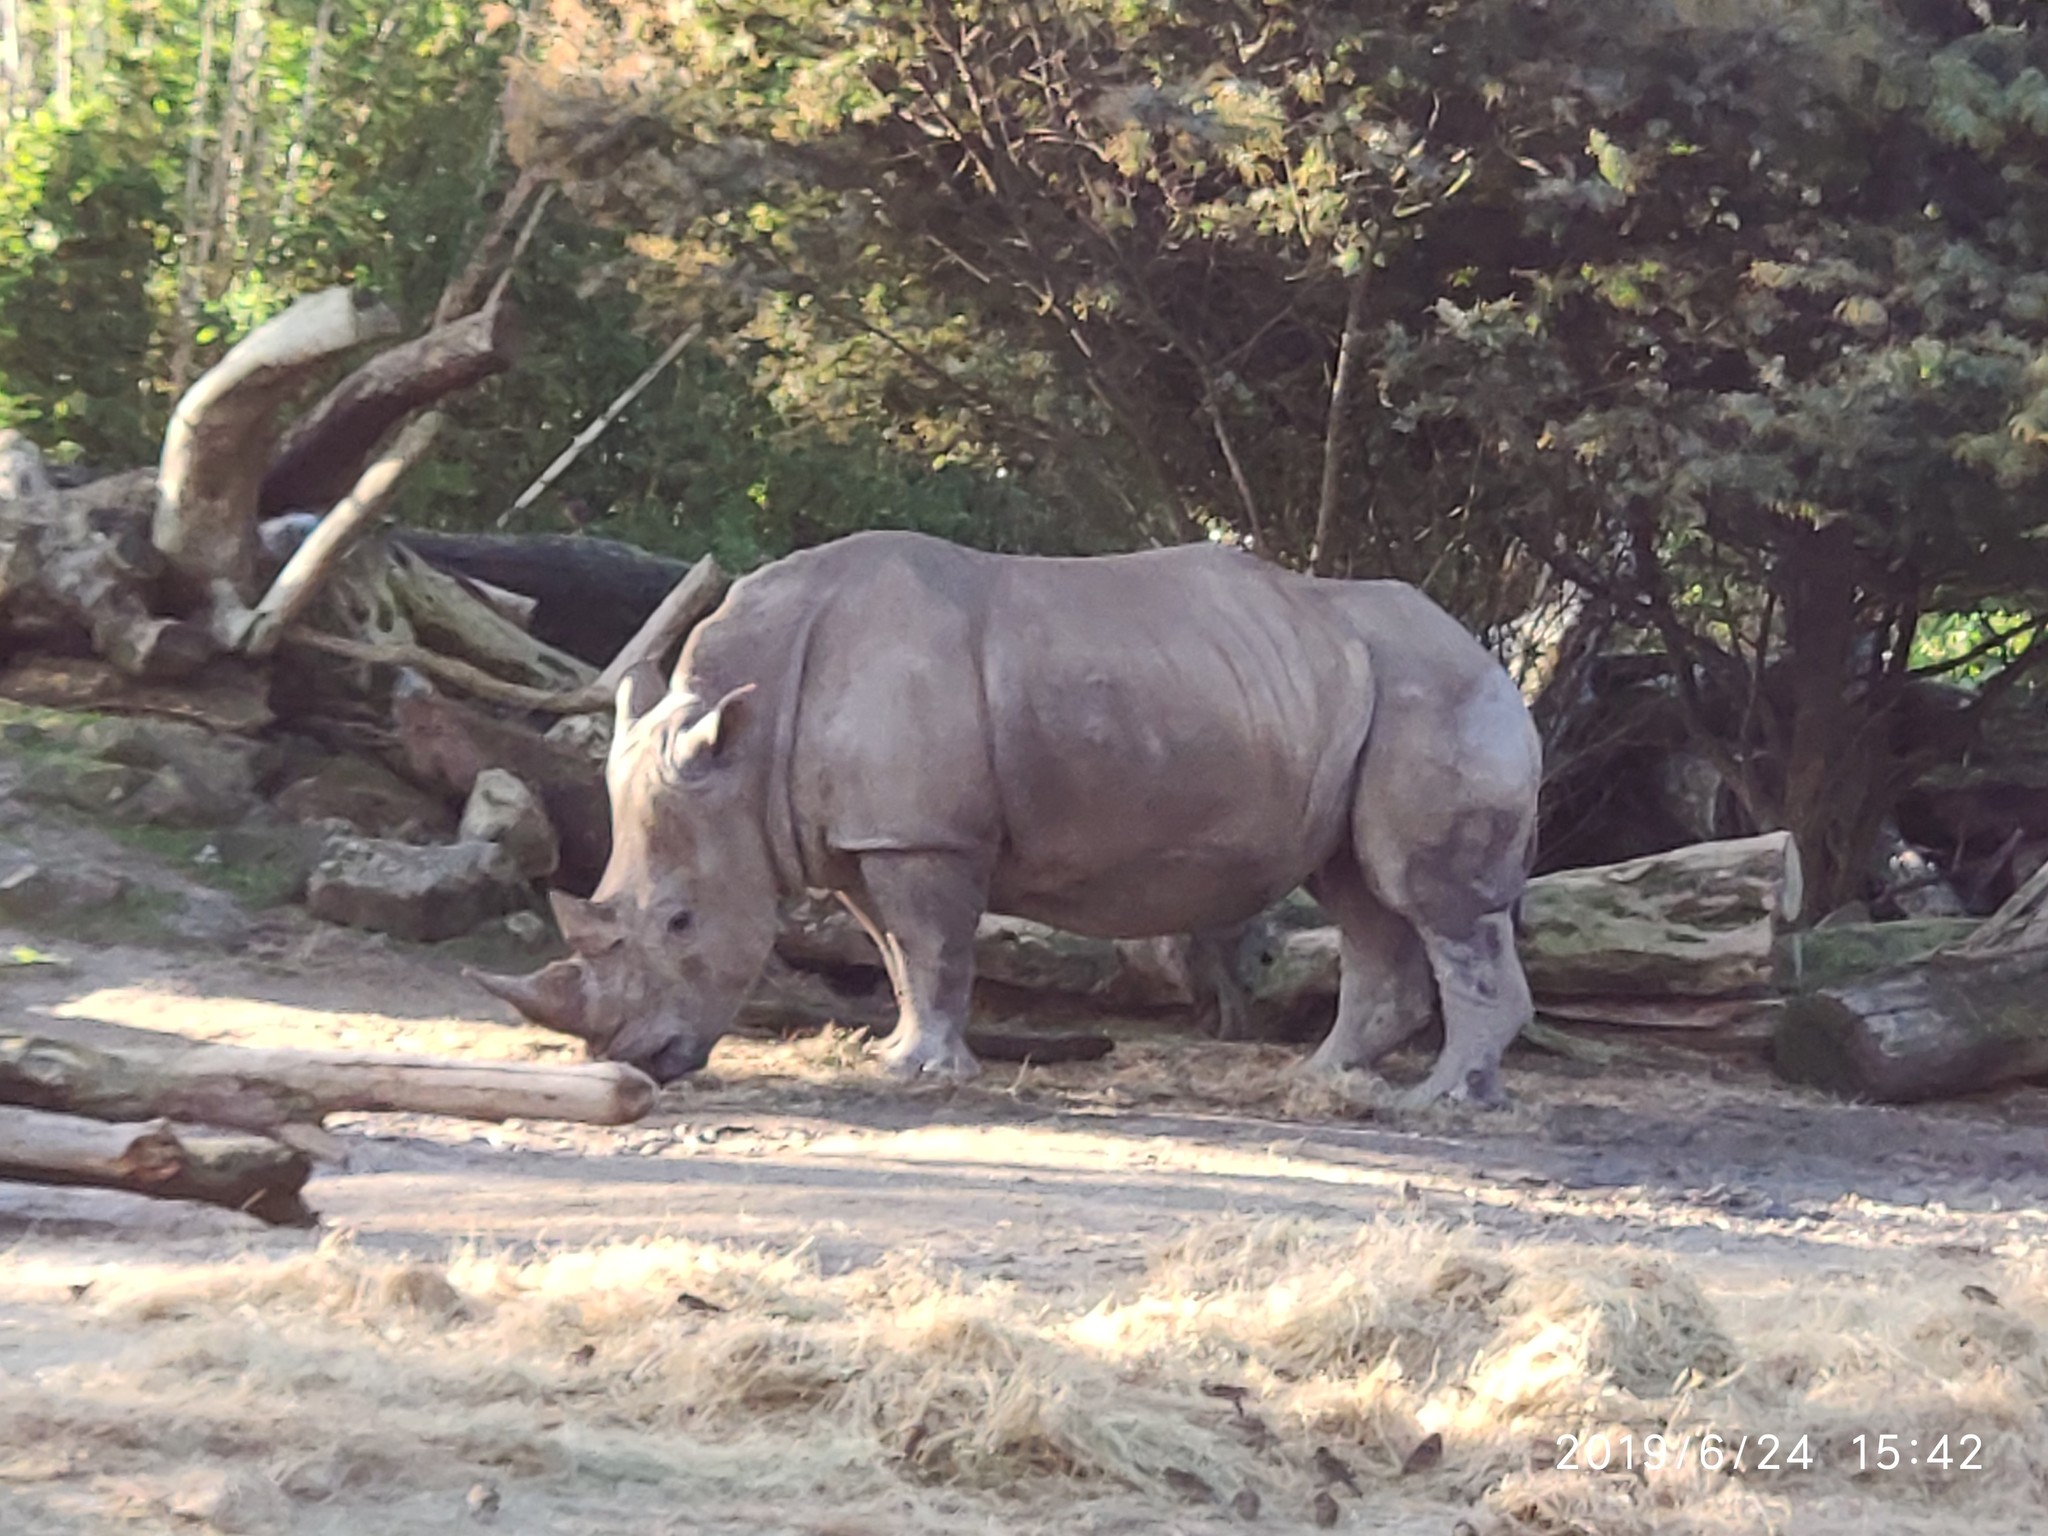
pixel 1861 1269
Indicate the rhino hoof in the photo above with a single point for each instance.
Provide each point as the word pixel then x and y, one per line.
pixel 923 1060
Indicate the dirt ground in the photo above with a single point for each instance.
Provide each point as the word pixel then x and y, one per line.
pixel 1146 1294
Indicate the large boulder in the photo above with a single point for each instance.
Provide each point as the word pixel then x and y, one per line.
pixel 502 809
pixel 424 894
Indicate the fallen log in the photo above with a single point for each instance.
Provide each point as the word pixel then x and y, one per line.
pixel 590 595
pixel 786 998
pixel 1700 922
pixel 262 1090
pixel 243 1173
pixel 1966 1019
pixel 77 564
pixel 820 934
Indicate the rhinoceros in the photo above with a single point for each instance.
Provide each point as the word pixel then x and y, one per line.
pixel 1122 746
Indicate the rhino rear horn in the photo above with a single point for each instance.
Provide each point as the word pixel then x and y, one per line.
pixel 551 997
pixel 639 691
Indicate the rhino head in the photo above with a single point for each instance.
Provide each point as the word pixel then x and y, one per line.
pixel 682 923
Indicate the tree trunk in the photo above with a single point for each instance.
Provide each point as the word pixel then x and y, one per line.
pixel 1967 1018
pixel 262 1090
pixel 243 1173
pixel 1838 768
pixel 326 451
pixel 78 563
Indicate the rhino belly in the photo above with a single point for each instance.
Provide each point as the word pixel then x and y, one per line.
pixel 1173 891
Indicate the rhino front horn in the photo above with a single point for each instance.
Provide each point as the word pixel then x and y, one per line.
pixel 551 997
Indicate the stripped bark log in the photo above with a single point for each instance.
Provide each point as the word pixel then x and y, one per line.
pixel 330 447
pixel 262 1090
pixel 1700 921
pixel 220 440
pixel 299 583
pixel 243 1173
pixel 457 625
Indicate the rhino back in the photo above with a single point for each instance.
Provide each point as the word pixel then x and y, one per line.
pixel 1174 736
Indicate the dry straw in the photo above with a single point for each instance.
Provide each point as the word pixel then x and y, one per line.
pixel 618 1378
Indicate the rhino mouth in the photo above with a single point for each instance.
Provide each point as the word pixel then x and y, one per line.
pixel 674 1061
pixel 566 997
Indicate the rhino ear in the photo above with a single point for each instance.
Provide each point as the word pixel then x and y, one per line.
pixel 711 738
pixel 589 926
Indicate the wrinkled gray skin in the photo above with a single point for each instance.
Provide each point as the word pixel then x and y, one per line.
pixel 1126 746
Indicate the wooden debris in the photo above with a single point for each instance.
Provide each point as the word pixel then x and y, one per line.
pixel 243 1173
pixel 261 1090
pixel 1967 1018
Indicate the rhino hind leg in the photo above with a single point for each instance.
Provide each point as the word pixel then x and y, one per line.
pixel 1383 996
pixel 1486 1004
pixel 923 909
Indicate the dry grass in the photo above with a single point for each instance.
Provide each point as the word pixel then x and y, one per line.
pixel 754 1378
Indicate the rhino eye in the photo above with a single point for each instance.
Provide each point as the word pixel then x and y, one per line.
pixel 680 922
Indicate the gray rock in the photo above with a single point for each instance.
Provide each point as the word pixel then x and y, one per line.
pixel 425 894
pixel 502 809
pixel 177 797
pixel 212 918
pixel 31 891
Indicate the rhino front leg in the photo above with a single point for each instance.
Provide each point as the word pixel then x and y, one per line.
pixel 922 909
pixel 1383 993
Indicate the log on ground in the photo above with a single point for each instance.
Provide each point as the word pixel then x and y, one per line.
pixel 1699 922
pixel 1967 1018
pixel 243 1173
pixel 820 934
pixel 1955 1024
pixel 262 1090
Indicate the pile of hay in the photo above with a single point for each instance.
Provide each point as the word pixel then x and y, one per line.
pixel 747 1379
